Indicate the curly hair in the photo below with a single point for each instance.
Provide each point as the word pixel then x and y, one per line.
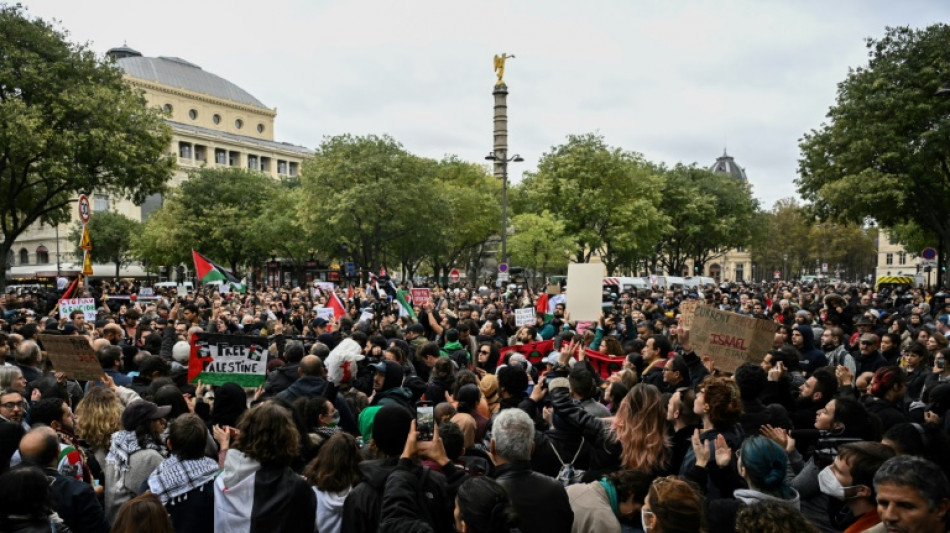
pixel 99 415
pixel 268 434
pixel 640 428
pixel 772 517
pixel 723 402
pixel 677 505
pixel 336 466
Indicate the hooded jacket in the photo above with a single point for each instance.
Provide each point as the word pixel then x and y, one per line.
pixel 330 510
pixel 812 357
pixel 281 378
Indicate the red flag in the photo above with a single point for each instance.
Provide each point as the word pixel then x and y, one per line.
pixel 533 351
pixel 349 292
pixel 68 293
pixel 334 303
pixel 542 304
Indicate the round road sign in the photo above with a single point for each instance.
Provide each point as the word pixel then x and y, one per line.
pixel 928 253
pixel 503 267
pixel 454 275
pixel 777 274
pixel 84 209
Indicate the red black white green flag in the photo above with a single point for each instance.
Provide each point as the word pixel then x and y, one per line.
pixel 207 271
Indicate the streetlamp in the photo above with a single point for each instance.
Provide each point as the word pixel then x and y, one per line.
pixel 503 161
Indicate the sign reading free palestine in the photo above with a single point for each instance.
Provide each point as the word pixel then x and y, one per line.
pixel 218 359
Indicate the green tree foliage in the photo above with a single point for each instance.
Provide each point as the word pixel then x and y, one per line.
pixel 278 232
pixel 709 213
pixel 359 194
pixel 883 151
pixel 213 212
pixel 539 243
pixel 111 235
pixel 606 198
pixel 788 239
pixel 68 124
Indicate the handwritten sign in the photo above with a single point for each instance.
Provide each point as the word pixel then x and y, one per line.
pixel 86 305
pixel 218 359
pixel 73 355
pixel 366 316
pixel 688 309
pixel 524 317
pixel 420 296
pixel 730 339
pixel 325 313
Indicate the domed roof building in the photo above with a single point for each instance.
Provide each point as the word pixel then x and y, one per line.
pixel 726 164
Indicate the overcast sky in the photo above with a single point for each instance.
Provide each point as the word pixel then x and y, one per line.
pixel 675 80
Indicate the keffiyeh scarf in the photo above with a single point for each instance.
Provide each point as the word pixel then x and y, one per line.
pixel 174 477
pixel 124 444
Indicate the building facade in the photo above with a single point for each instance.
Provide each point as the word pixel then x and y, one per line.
pixel 214 123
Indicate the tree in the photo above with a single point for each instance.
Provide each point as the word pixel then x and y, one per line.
pixel 605 197
pixel 111 235
pixel 883 152
pixel 709 213
pixel 68 124
pixel 539 243
pixel 213 211
pixel 360 194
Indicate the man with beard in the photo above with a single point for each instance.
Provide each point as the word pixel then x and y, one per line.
pixel 803 338
pixel 814 394
pixel 56 413
pixel 835 350
pixel 867 357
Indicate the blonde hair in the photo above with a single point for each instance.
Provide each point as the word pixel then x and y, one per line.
pixel 99 415
pixel 640 428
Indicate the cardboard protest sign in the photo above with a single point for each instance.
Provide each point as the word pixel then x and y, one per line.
pixel 366 316
pixel 688 309
pixel 325 313
pixel 420 296
pixel 730 339
pixel 73 355
pixel 86 305
pixel 218 359
pixel 552 289
pixel 584 288
pixel 524 317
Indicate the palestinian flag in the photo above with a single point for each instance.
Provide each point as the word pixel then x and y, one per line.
pixel 210 272
pixel 405 309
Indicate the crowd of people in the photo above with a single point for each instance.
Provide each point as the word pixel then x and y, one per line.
pixel 841 426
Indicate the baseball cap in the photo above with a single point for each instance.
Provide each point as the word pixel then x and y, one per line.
pixel 140 412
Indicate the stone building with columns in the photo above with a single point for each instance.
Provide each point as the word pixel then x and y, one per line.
pixel 214 123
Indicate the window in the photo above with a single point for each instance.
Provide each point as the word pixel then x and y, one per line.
pixel 100 203
pixel 902 258
pixel 192 114
pixel 260 128
pixel 265 164
pixel 889 259
pixel 740 272
pixel 168 108
pixel 238 123
pixel 220 156
pixel 216 118
pixel 740 249
pixel 184 150
pixel 234 159
pixel 252 162
pixel 201 152
pixel 281 166
pixel 24 256
pixel 42 255
pixel 293 168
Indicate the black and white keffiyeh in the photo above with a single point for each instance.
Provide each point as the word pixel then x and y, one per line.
pixel 174 477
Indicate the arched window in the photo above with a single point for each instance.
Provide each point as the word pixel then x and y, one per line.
pixel 24 256
pixel 42 255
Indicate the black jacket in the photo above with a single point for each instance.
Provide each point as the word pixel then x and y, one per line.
pixel 76 503
pixel 889 413
pixel 193 512
pixel 281 378
pixel 567 444
pixel 604 451
pixel 362 510
pixel 405 500
pixel 541 502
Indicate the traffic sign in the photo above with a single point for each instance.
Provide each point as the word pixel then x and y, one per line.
pixel 84 208
pixel 928 253
pixel 777 274
pixel 824 267
pixel 502 276
pixel 454 275
pixel 503 267
pixel 85 242
pixel 86 265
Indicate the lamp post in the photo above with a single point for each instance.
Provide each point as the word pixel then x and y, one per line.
pixel 500 158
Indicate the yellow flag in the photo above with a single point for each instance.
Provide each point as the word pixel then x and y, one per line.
pixel 85 243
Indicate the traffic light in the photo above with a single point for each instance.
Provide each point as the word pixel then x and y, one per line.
pixel 696 269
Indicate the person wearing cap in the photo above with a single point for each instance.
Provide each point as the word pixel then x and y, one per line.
pixel 136 451
pixel 387 385
pixel 867 357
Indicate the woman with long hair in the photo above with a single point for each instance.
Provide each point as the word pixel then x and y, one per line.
pixel 26 502
pixel 486 359
pixel 719 405
pixel 672 506
pixel 230 402
pixel 635 438
pixel 483 506
pixel 333 473
pixel 98 416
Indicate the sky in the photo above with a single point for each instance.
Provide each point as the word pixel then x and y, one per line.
pixel 675 80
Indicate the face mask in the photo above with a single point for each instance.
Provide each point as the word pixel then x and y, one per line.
pixel 830 485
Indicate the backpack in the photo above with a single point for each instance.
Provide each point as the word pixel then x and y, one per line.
pixel 568 475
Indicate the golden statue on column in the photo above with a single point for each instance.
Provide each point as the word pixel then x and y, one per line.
pixel 500 67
